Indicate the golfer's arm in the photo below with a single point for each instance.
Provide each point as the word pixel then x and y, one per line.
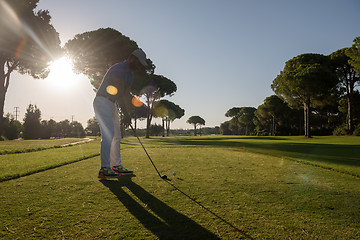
pixel 124 101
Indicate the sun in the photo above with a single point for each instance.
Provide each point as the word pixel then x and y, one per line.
pixel 61 75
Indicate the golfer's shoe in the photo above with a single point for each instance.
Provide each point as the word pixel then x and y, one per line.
pixel 121 170
pixel 105 173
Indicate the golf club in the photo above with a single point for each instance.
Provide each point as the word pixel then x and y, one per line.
pixel 164 176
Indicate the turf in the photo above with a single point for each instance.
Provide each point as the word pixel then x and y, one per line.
pixel 22 146
pixel 22 164
pixel 223 189
pixel 336 153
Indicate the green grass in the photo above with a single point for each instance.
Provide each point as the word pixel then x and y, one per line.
pixel 22 164
pixel 22 146
pixel 225 188
pixel 336 153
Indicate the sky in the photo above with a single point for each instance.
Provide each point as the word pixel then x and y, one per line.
pixel 220 54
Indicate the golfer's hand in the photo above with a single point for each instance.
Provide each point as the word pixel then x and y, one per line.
pixel 126 122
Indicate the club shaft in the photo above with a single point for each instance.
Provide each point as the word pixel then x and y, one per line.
pixel 145 150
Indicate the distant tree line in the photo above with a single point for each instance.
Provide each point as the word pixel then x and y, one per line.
pixel 35 128
pixel 315 94
pixel 175 132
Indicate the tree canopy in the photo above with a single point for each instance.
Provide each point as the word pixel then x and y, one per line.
pixel 354 54
pixel 94 52
pixel 234 113
pixel 152 87
pixel 348 79
pixel 168 111
pixel 305 79
pixel 196 121
pixel 246 117
pixel 271 110
pixel 32 123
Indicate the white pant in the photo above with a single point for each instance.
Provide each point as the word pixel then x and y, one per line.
pixel 107 115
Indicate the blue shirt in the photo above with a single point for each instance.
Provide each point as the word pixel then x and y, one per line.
pixel 116 80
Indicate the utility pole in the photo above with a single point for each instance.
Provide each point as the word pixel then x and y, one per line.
pixel 72 118
pixel 16 112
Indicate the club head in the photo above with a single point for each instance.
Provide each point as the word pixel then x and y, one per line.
pixel 165 177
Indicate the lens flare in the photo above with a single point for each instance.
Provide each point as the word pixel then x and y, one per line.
pixel 136 102
pixel 12 17
pixel 19 48
pixel 61 74
pixel 19 25
pixel 111 90
pixel 161 111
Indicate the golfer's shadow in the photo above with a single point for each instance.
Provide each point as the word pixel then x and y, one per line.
pixel 173 225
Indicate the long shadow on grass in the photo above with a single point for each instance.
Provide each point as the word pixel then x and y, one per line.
pixel 327 153
pixel 218 141
pixel 165 223
pixel 209 210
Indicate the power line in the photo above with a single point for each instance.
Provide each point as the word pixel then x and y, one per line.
pixel 16 112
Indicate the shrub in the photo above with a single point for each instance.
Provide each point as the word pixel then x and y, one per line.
pixel 357 130
pixel 341 131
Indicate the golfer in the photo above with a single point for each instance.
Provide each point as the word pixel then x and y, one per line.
pixel 115 88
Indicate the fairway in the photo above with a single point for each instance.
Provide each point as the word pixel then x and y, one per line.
pixel 224 188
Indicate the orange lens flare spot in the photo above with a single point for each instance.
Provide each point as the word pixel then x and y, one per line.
pixel 111 90
pixel 136 102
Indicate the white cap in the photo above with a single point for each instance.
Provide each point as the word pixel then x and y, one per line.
pixel 141 56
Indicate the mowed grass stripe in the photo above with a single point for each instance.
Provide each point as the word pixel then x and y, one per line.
pixel 23 146
pixel 336 153
pixel 18 165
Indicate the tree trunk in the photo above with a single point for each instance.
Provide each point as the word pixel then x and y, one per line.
pixel 238 132
pixel 2 103
pixel 148 124
pixel 167 128
pixel 194 129
pixel 349 113
pixel 163 127
pixel 307 118
pixel 273 126
pixel 301 125
pixel 270 128
pixel 4 83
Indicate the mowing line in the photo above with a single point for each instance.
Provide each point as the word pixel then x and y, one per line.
pixel 16 176
pixel 38 149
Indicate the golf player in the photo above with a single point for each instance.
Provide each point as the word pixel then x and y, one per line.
pixel 115 88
